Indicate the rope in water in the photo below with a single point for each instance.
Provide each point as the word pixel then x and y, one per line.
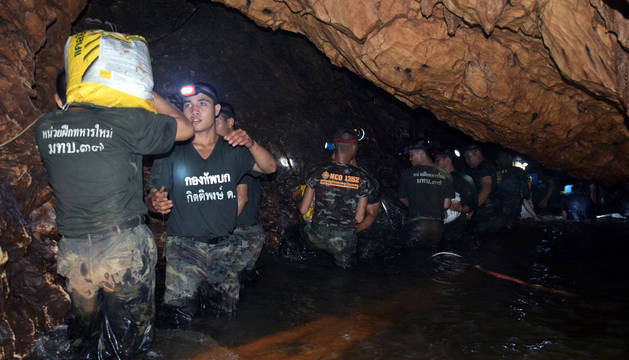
pixel 510 278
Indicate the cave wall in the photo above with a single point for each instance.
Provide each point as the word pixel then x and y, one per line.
pixel 537 76
pixel 31 298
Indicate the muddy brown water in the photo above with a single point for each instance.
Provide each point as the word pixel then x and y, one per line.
pixel 409 306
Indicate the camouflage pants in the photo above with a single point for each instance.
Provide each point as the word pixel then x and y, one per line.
pixel 341 244
pixel 190 263
pixel 251 244
pixel 111 280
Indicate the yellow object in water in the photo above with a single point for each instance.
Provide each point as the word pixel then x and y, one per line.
pixel 109 69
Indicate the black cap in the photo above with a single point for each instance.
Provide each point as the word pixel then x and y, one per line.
pixel 445 153
pixel 420 145
pixel 227 111
pixel 472 147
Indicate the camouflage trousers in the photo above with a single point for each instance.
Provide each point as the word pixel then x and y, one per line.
pixel 191 263
pixel 111 281
pixel 251 243
pixel 341 244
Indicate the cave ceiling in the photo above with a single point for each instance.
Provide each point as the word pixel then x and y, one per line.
pixel 540 77
pixel 547 78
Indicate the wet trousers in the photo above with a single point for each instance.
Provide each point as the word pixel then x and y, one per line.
pixel 214 267
pixel 424 233
pixel 111 281
pixel 252 240
pixel 340 244
pixel 488 218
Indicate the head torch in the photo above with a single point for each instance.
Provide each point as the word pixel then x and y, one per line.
pixel 194 89
pixel 359 134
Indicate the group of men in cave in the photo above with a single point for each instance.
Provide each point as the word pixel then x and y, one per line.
pixel 204 176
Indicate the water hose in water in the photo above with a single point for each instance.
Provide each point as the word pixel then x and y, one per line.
pixel 509 278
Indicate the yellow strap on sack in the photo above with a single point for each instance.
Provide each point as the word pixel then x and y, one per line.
pixel 109 69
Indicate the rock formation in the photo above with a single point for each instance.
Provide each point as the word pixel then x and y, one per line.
pixel 538 76
pixel 31 298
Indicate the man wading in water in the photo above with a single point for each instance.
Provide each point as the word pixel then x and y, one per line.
pixel 200 177
pixel 106 251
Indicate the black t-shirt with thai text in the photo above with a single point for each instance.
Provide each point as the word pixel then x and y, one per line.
pixel 203 191
pixel 94 160
pixel 249 214
pixel 426 187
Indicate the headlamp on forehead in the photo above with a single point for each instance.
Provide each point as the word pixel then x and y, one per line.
pixel 360 133
pixel 188 90
pixel 194 89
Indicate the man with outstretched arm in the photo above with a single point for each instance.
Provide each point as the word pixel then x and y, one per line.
pixel 195 183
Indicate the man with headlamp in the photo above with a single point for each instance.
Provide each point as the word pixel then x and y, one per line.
pixel 195 183
pixel 340 191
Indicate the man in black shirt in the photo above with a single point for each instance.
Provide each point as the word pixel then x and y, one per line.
pixel 513 189
pixel 93 155
pixel 195 183
pixel 464 202
pixel 427 191
pixel 488 217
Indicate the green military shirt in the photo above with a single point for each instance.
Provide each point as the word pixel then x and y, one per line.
pixel 338 187
pixel 94 160
pixel 426 188
pixel 203 191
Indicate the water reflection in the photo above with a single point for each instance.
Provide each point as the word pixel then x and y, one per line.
pixel 415 307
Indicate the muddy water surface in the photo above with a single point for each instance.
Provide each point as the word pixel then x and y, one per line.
pixel 412 306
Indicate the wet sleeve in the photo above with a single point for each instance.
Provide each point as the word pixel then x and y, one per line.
pixel 161 174
pixel 364 188
pixel 374 191
pixel 312 180
pixel 245 161
pixel 246 179
pixel 152 133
